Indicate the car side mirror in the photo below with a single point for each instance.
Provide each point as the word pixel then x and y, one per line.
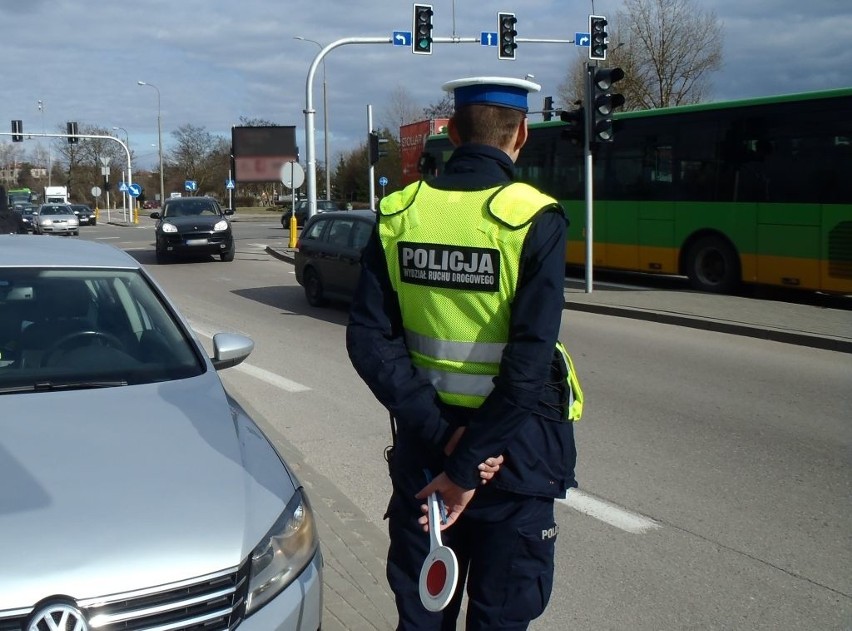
pixel 229 211
pixel 154 215
pixel 230 349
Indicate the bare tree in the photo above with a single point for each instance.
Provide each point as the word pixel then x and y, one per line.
pixel 400 110
pixel 667 49
pixel 199 156
pixel 675 44
pixel 442 109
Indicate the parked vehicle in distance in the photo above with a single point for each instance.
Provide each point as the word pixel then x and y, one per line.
pixel 301 211
pixel 56 219
pixel 177 512
pixel 193 226
pixel 328 254
pixel 85 214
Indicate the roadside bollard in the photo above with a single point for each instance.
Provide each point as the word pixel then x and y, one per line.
pixel 294 226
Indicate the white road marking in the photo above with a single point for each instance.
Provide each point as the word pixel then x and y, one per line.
pixel 269 377
pixel 608 512
pixel 105 238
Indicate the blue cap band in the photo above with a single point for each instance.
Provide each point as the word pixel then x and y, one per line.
pixel 489 94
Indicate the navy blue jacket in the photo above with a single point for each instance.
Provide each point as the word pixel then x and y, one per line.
pixel 523 417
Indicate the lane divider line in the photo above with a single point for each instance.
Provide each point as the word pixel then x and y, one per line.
pixel 608 512
pixel 262 374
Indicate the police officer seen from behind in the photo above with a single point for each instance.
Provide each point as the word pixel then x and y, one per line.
pixel 455 328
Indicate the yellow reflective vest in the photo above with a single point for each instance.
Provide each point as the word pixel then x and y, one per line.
pixel 453 259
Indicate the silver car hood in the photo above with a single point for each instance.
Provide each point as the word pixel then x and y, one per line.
pixel 112 490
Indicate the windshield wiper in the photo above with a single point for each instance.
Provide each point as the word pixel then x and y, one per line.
pixel 49 386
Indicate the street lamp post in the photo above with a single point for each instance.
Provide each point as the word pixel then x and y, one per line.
pixel 49 166
pixel 325 120
pixel 126 142
pixel 159 140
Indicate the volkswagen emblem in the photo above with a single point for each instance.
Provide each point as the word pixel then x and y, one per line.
pixel 58 617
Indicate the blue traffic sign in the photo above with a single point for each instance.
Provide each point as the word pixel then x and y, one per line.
pixel 122 187
pixel 402 38
pixel 229 184
pixel 134 189
pixel 383 181
pixel 582 39
pixel 487 38
pixel 190 185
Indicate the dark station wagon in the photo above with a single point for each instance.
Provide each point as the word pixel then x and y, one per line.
pixel 328 254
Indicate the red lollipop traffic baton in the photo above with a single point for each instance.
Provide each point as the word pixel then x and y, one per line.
pixel 440 570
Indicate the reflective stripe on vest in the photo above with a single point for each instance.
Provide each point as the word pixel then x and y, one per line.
pixel 482 352
pixel 458 386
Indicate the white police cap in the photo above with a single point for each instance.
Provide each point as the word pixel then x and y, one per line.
pixel 499 91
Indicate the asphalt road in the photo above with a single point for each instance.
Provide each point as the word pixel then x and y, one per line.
pixel 714 468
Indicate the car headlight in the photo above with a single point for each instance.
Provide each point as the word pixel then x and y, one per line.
pixel 283 553
pixel 220 225
pixel 167 227
pixel 46 222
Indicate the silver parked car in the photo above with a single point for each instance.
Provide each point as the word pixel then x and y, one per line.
pixel 56 219
pixel 135 493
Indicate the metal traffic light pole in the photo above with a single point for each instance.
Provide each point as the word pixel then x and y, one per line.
pixel 118 140
pixel 310 113
pixel 587 155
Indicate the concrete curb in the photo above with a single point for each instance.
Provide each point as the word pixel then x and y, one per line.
pixel 798 338
pixel 281 256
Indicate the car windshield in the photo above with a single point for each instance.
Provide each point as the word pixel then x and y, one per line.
pixel 55 210
pixel 87 328
pixel 81 208
pixel 190 208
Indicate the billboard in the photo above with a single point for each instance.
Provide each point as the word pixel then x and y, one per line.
pixel 259 152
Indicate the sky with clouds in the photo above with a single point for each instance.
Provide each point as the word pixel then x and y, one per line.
pixel 215 61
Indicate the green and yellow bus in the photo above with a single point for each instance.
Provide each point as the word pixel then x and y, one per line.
pixel 750 191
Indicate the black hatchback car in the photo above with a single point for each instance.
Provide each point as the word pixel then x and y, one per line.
pixel 328 254
pixel 193 226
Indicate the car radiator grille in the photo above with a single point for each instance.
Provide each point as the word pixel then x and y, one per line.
pixel 213 603
pixel 178 239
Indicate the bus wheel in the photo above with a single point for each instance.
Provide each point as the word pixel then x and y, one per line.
pixel 713 265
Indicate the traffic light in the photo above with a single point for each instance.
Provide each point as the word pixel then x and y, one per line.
pixel 376 151
pixel 506 27
pixel 548 108
pixel 604 101
pixel 17 131
pixel 427 165
pixel 598 35
pixel 71 130
pixel 574 130
pixel 421 43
